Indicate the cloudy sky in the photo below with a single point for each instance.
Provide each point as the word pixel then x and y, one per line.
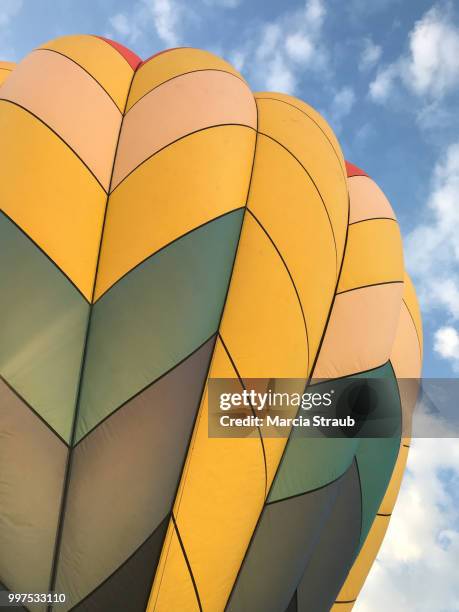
pixel 385 73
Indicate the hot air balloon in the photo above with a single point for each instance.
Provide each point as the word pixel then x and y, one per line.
pixel 162 226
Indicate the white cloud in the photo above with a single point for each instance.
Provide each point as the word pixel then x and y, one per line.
pixel 429 69
pixel 269 40
pixel 416 568
pixel 343 102
pixel 125 27
pixel 370 56
pixel 363 135
pixel 8 10
pixel 299 47
pixel 433 66
pixel 432 248
pixel 435 114
pixel 164 17
pixel 280 77
pixel 237 59
pixel 280 52
pixel 382 85
pixel 340 107
pixel 447 344
pixel 314 13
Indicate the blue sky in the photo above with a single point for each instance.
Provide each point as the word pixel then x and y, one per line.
pixel 385 73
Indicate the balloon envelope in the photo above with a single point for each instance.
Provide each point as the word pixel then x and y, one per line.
pixel 161 226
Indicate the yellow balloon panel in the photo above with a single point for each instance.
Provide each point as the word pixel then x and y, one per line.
pixel 104 63
pixel 176 591
pixel 406 357
pixel 262 324
pixel 169 64
pixel 310 112
pixel 367 200
pixel 292 128
pixel 412 303
pixel 373 255
pixel 407 363
pixel 390 497
pixel 183 186
pixel 81 113
pixel 361 331
pixel 60 205
pixel 342 606
pixel 284 200
pixel 5 71
pixel 220 497
pixel 186 104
